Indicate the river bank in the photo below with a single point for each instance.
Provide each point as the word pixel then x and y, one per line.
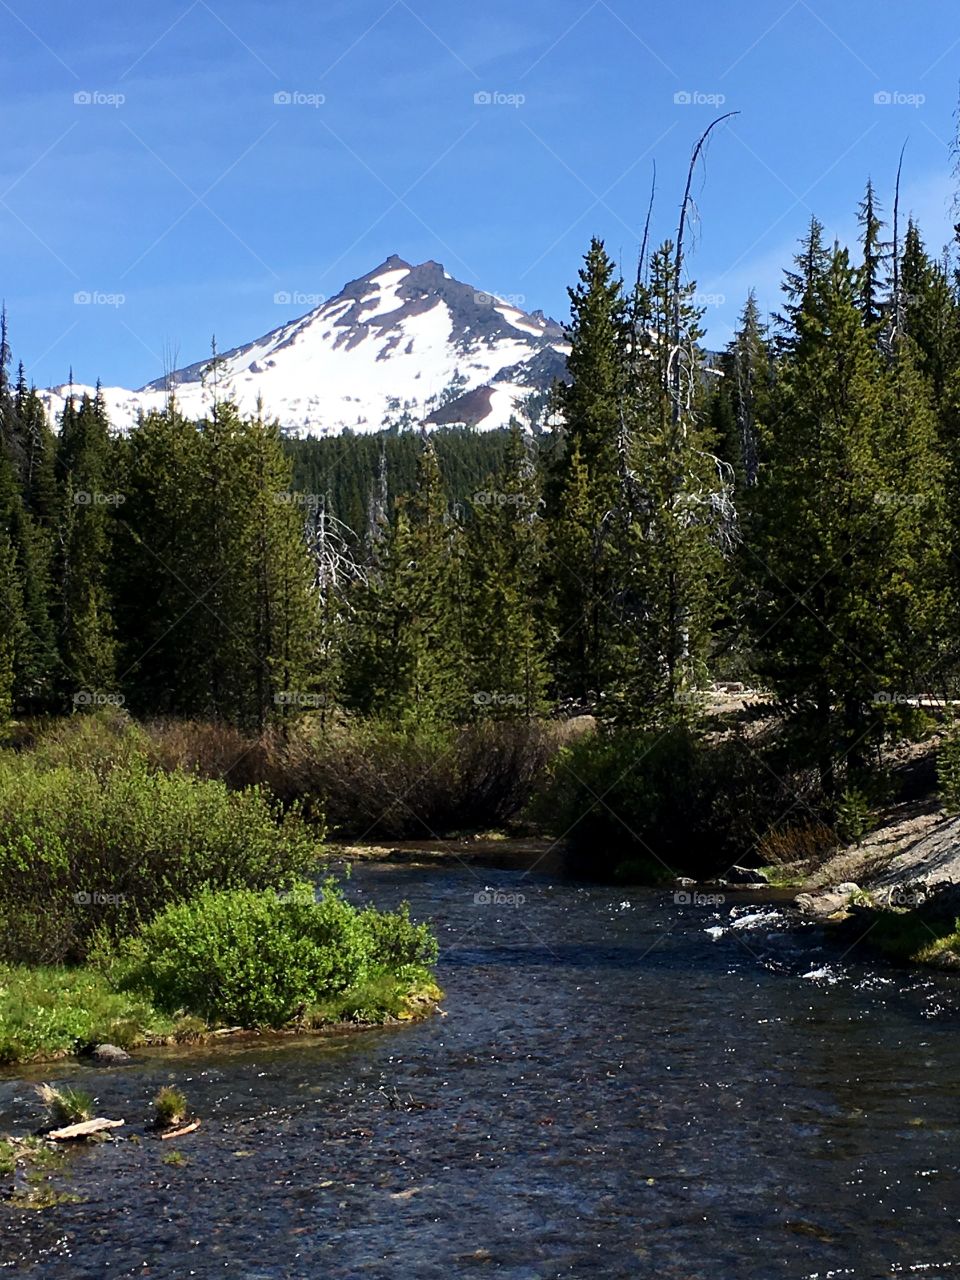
pixel 51 1014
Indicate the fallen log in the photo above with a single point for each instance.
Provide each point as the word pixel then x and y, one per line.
pixel 182 1132
pixel 82 1130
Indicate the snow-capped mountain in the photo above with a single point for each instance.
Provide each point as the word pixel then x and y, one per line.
pixel 404 344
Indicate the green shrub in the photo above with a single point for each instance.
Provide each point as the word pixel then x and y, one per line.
pixel 365 777
pixel 672 798
pixel 397 946
pixel 260 959
pixel 853 816
pixel 84 848
pixel 387 781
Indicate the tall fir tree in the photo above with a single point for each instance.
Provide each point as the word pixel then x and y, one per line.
pixel 675 512
pixel 838 538
pixel 875 256
pixel 88 501
pixel 585 477
pixel 406 660
pixel 503 617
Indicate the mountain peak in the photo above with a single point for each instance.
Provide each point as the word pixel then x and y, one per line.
pixel 393 263
pixel 402 345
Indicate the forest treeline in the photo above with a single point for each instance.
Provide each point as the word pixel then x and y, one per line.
pixel 788 513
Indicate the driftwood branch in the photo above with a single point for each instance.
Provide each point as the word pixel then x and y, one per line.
pixel 182 1132
pixel 85 1129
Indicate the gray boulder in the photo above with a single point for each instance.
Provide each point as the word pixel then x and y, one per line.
pixel 108 1054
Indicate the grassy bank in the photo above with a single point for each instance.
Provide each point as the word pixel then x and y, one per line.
pixel 46 1014
pixel 904 935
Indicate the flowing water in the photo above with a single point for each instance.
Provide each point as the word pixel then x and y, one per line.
pixel 623 1086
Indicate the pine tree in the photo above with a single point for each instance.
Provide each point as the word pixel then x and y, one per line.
pixel 11 627
pixel 677 517
pixel 837 539
pixel 217 607
pixel 157 573
pixel 747 379
pixel 930 313
pixel 876 253
pixel 585 477
pixel 406 659
pixel 88 499
pixel 503 631
pixel 810 263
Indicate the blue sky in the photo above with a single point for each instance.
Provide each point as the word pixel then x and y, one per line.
pixel 180 195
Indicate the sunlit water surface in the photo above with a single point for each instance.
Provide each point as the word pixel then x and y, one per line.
pixel 622 1087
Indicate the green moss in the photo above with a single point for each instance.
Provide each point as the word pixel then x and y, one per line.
pixel 36 1161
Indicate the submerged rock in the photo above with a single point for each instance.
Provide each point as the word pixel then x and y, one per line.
pixel 108 1054
pixel 827 902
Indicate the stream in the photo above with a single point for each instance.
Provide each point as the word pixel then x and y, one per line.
pixel 624 1086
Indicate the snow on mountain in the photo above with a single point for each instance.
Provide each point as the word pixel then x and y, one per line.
pixel 403 345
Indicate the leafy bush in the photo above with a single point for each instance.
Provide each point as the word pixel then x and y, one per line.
pixel 366 777
pixel 91 847
pixel 381 780
pixel 258 959
pixel 671 798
